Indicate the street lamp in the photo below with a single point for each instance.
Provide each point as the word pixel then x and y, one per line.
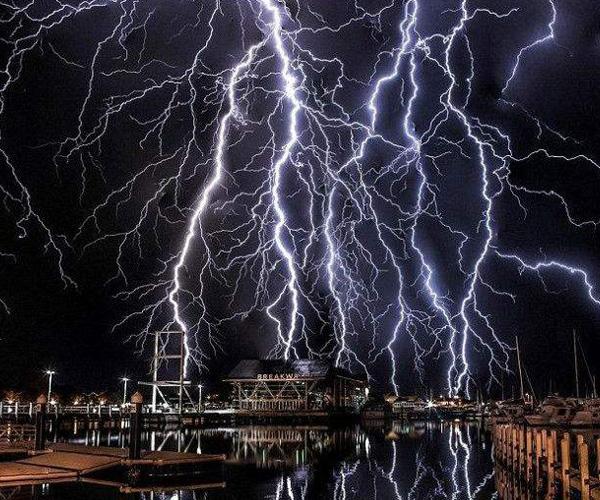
pixel 199 398
pixel 50 374
pixel 124 380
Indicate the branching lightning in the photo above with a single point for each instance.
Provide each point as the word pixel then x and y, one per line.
pixel 276 177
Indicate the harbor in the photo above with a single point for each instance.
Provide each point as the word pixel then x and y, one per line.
pixel 280 456
pixel 523 448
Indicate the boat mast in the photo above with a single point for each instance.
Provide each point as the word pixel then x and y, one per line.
pixel 520 369
pixel 587 367
pixel 576 367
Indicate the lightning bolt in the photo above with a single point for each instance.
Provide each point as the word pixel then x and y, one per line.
pixel 279 178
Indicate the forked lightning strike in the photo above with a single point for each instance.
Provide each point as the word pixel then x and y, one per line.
pixel 277 177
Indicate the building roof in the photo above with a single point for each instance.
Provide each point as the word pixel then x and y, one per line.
pixel 303 368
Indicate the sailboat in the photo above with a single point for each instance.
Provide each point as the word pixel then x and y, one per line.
pixel 513 410
pixel 575 412
pixel 588 411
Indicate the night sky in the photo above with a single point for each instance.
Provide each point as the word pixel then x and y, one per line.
pixel 440 183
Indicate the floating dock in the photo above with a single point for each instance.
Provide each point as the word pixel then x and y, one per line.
pixel 67 462
pixel 17 473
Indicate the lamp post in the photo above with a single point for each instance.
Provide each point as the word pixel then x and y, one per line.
pixel 50 374
pixel 124 380
pixel 199 398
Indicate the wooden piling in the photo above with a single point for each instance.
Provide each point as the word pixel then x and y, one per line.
pixel 598 457
pixel 565 455
pixel 522 451
pixel 505 444
pixel 514 449
pixel 538 459
pixel 584 468
pixel 551 463
pixel 40 422
pixel 529 446
pixel 135 429
pixel 531 461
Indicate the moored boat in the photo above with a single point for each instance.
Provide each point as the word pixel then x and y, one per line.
pixel 511 411
pixel 554 410
pixel 587 414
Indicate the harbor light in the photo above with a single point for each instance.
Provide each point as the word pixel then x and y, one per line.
pixel 124 380
pixel 50 374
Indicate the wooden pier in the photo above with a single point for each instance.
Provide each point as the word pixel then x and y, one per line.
pixel 540 462
pixel 67 462
pixel 35 461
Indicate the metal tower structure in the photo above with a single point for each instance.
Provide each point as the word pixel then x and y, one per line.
pixel 170 389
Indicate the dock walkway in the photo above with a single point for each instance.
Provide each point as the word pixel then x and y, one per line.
pixel 63 462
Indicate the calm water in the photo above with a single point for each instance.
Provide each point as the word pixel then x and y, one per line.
pixel 407 461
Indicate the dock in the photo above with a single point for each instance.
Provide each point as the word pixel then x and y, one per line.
pixel 128 489
pixel 32 460
pixel 69 462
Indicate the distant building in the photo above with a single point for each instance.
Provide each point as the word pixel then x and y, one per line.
pixel 410 407
pixel 302 385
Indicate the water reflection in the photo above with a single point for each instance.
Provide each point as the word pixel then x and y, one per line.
pixel 402 461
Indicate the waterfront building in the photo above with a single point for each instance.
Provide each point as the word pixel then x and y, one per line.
pixel 410 407
pixel 302 385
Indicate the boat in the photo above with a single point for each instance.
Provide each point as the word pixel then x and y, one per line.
pixel 554 410
pixel 587 414
pixel 512 411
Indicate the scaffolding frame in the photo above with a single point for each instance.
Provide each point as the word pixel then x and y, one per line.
pixel 160 359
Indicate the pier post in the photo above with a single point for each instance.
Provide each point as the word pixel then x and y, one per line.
pixel 551 462
pixel 584 468
pixel 565 452
pixel 515 449
pixel 539 455
pixel 135 427
pixel 598 457
pixel 505 444
pixel 40 422
pixel 522 451
pixel 529 448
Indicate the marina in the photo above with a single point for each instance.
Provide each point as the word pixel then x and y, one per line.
pixel 190 453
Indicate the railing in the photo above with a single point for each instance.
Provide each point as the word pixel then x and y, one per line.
pixel 16 433
pixel 11 409
pixel 98 410
pixel 23 434
pixel 546 461
pixel 15 410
